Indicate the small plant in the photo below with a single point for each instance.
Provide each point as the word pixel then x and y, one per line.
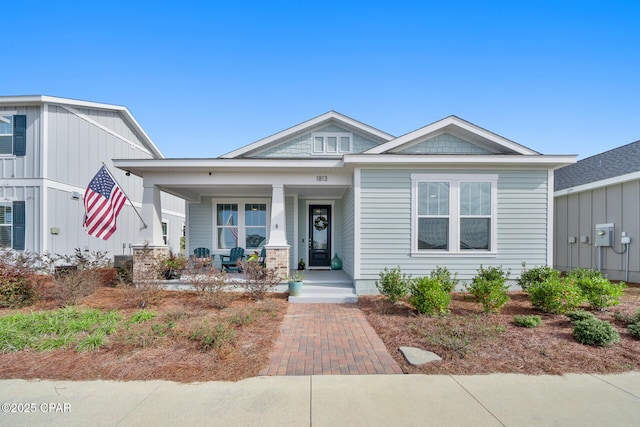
pixel 595 332
pixel 489 288
pixel 142 316
pixel 634 329
pixel 18 280
pixel 296 276
pixel 577 315
pixel 599 292
pixel 556 295
pixel 447 282
pixel 535 276
pixel 258 279
pixel 208 338
pixel 173 265
pixel 428 296
pixel 393 284
pixel 532 321
pixel 212 286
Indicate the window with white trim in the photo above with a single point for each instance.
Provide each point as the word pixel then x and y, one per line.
pixel 165 232
pixel 241 224
pixel 454 213
pixel 6 134
pixel 6 225
pixel 331 142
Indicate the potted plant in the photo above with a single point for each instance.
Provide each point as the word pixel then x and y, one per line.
pixel 173 266
pixel 295 283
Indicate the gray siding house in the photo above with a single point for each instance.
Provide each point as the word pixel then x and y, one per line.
pixel 448 194
pixel 601 192
pixel 50 149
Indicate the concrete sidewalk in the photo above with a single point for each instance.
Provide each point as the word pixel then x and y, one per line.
pixel 330 400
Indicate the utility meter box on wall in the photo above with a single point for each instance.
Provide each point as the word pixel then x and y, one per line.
pixel 604 234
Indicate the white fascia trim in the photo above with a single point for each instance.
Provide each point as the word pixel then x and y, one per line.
pixel 550 218
pixel 447 121
pixel 460 159
pixel 308 125
pixel 598 184
pixel 106 129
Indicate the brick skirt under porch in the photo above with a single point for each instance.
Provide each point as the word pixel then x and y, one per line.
pixel 326 339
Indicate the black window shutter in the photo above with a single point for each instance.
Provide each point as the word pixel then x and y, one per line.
pixel 20 135
pixel 18 225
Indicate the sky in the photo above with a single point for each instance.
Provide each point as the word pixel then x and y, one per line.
pixel 206 77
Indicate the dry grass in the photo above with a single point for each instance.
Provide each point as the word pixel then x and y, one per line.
pixel 164 351
pixel 470 342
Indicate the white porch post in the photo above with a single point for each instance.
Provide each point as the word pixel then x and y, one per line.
pixel 152 214
pixel 277 247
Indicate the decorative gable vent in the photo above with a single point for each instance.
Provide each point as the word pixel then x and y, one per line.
pixel 332 142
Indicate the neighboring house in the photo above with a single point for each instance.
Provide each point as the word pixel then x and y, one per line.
pixel 50 148
pixel 602 190
pixel 448 194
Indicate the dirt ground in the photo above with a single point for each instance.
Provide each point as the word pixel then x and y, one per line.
pixel 468 341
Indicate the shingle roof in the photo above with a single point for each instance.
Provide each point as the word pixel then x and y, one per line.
pixel 612 163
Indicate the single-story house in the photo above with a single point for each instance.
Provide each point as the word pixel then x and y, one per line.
pixel 597 211
pixel 448 194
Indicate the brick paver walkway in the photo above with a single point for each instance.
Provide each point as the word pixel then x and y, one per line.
pixel 325 339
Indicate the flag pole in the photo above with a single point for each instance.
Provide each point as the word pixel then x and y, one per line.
pixel 144 225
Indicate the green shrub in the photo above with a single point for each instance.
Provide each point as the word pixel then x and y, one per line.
pixel 532 321
pixel 556 295
pixel 489 288
pixel 599 292
pixel 595 332
pixel 585 273
pixel 17 278
pixel 447 282
pixel 634 329
pixel 428 296
pixel 574 316
pixel 393 284
pixel 209 338
pixel 535 276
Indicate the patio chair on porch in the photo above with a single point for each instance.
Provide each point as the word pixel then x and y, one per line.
pixel 202 257
pixel 230 262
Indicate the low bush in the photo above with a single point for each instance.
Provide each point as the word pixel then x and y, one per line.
pixel 531 321
pixel 212 286
pixel 599 292
pixel 447 282
pixel 18 279
pixel 595 332
pixel 209 338
pixel 556 295
pixel 258 279
pixel 428 296
pixel 535 276
pixel 634 329
pixel 393 284
pixel 574 316
pixel 489 288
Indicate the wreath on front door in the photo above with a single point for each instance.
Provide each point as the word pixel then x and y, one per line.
pixel 320 223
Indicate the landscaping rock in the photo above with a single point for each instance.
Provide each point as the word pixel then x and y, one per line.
pixel 418 357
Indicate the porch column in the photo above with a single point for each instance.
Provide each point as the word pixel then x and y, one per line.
pixel 152 214
pixel 277 247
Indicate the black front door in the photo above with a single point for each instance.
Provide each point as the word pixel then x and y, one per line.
pixel 319 235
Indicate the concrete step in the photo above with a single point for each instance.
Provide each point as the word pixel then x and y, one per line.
pixel 326 293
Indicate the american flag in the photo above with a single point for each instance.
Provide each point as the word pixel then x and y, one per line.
pixel 102 203
pixel 234 230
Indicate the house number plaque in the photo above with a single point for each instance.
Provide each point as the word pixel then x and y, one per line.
pixel 322 178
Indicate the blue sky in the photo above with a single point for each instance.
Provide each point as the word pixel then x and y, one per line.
pixel 204 78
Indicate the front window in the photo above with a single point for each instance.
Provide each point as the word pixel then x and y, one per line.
pixel 165 232
pixel 6 223
pixel 241 224
pixel 454 214
pixel 6 134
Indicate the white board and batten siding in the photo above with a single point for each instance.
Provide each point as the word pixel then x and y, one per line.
pixel 386 226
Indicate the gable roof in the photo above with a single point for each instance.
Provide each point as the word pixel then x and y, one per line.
pixel 457 127
pixel 307 126
pixel 69 105
pixel 613 163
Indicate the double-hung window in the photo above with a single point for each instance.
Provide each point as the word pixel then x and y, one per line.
pixel 12 134
pixel 241 224
pixel 454 213
pixel 6 223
